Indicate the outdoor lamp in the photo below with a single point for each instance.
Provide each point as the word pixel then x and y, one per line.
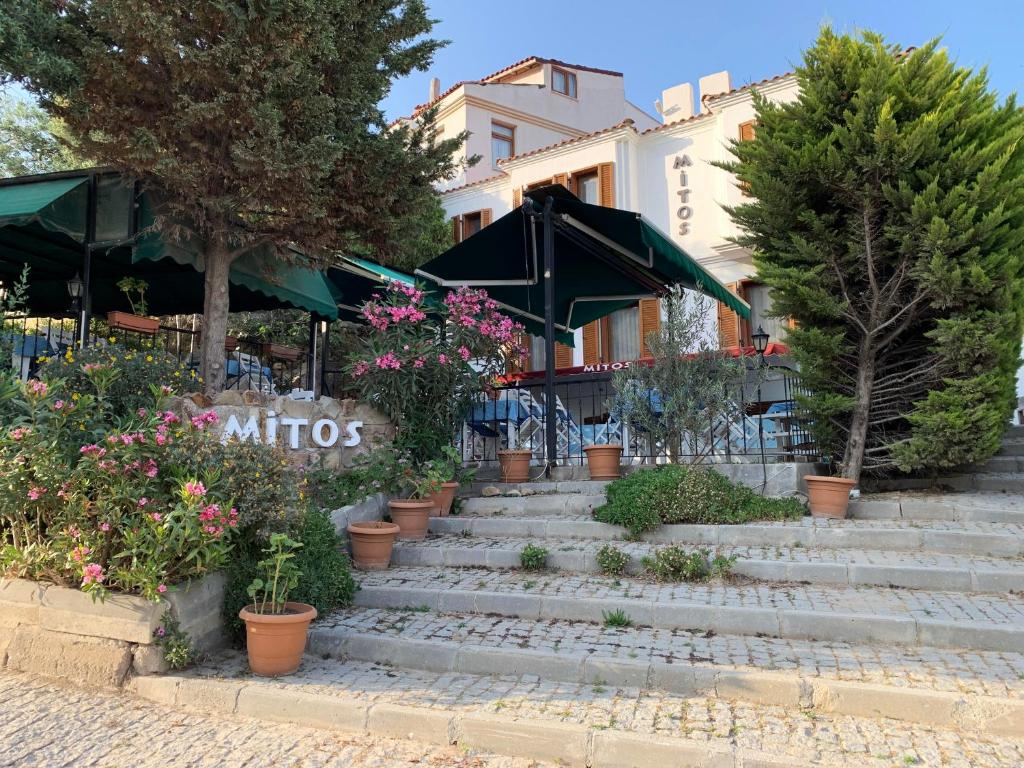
pixel 760 338
pixel 76 286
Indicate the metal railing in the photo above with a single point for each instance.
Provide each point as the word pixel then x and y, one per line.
pixel 771 427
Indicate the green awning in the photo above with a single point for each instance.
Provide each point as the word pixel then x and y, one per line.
pixel 604 260
pixel 57 205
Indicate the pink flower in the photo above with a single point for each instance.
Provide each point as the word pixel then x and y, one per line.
pixel 442 358
pixel 162 439
pixel 170 417
pixel 104 527
pixel 93 450
pixel 58 405
pixel 209 512
pixel 464 353
pixel 78 554
pixel 90 367
pixel 143 502
pixel 73 532
pixel 151 469
pixel 360 368
pixel 35 492
pixel 418 362
pixel 93 572
pixel 388 360
pixel 200 421
pixel 195 489
pixel 141 413
pixel 37 387
pixel 19 432
pixel 161 588
pixel 160 632
pixel 165 390
pixel 156 517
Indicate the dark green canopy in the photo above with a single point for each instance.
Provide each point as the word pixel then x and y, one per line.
pixel 604 259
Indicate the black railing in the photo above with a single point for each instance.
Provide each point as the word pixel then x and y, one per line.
pixel 588 412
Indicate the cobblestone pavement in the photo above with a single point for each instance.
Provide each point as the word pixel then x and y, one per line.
pixel 968 672
pixel 918 603
pixel 47 725
pixel 780 553
pixel 834 741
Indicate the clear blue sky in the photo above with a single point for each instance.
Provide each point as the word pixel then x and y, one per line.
pixel 658 43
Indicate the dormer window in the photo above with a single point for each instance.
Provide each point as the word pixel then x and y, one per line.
pixel 503 141
pixel 563 82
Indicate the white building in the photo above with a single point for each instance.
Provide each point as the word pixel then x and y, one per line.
pixel 541 121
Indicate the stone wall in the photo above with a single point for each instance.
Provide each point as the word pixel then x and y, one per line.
pixel 62 632
pixel 267 412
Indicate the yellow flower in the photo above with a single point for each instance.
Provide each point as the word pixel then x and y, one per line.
pixel 112 340
pixel 149 358
pixel 75 396
pixel 192 374
pixel 177 373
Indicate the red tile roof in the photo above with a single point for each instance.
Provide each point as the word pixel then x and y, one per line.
pixel 499 175
pixel 627 123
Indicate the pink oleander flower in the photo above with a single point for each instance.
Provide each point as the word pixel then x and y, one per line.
pixel 37 387
pixel 170 417
pixel 161 589
pixel 152 470
pixel 464 353
pixel 35 492
pixel 210 511
pixel 442 358
pixel 143 502
pixel 78 554
pixel 93 450
pixel 418 362
pixel 160 631
pixel 162 439
pixel 90 367
pixel 195 489
pixel 104 527
pixel 19 432
pixel 58 405
pixel 141 413
pixel 93 572
pixel 156 517
pixel 388 360
pixel 360 368
pixel 73 532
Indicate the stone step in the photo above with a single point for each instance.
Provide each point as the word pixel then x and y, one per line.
pixel 966 506
pixel 857 567
pixel 999 482
pixel 592 725
pixel 931 686
pixel 850 614
pixel 985 539
pixel 551 505
pixel 1000 464
pixel 587 487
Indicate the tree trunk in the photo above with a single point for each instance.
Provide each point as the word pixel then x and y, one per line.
pixel 853 460
pixel 215 318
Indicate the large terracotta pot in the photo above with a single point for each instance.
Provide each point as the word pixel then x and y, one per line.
pixel 372 542
pixel 275 642
pixel 126 321
pixel 603 461
pixel 411 516
pixel 828 496
pixel 515 466
pixel 442 499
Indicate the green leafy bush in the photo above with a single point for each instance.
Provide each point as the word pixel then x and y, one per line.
pixel 674 563
pixel 533 558
pixel 385 469
pixel 645 499
pixel 612 560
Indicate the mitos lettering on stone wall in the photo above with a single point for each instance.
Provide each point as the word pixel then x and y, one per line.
pixel 250 430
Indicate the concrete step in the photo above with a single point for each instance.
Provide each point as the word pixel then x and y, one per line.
pixel 850 614
pixel 587 487
pixel 1000 465
pixel 984 539
pixel 933 686
pixel 592 725
pixel 999 482
pixel 966 506
pixel 856 567
pixel 542 505
pixel 1012 448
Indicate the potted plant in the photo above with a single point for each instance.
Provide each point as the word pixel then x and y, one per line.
pixel 276 629
pixel 135 320
pixel 447 470
pixel 603 461
pixel 515 463
pixel 281 352
pixel 372 542
pixel 412 514
pixel 828 496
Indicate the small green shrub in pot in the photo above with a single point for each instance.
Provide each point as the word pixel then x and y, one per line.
pixel 612 560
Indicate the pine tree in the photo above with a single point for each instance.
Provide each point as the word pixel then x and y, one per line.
pixel 257 121
pixel 888 218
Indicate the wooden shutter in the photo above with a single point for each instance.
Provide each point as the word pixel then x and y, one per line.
pixel 514 365
pixel 650 321
pixel 563 355
pixel 729 331
pixel 485 217
pixel 606 183
pixel 591 343
pixel 517 197
pixel 457 229
pixel 748 130
pixel 561 178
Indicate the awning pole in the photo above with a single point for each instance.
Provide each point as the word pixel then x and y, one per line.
pixel 90 237
pixel 550 411
pixel 311 356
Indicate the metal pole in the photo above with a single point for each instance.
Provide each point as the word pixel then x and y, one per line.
pixel 549 339
pixel 760 421
pixel 311 356
pixel 90 237
pixel 324 354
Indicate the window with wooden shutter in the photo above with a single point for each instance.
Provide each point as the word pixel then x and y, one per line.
pixel 457 229
pixel 563 355
pixel 592 343
pixel 485 217
pixel 606 182
pixel 650 321
pixel 517 197
pixel 522 363
pixel 561 178
pixel 748 130
pixel 730 331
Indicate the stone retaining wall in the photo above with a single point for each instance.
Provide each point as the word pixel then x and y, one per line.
pixel 61 632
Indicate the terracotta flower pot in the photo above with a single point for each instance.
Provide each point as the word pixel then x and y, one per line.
pixel 442 499
pixel 275 641
pixel 126 321
pixel 411 516
pixel 515 466
pixel 372 542
pixel 603 461
pixel 828 496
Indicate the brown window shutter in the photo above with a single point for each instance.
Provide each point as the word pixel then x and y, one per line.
pixel 650 321
pixel 606 183
pixel 728 323
pixel 457 229
pixel 517 197
pixel 561 178
pixel 563 355
pixel 514 365
pixel 748 130
pixel 591 343
pixel 485 217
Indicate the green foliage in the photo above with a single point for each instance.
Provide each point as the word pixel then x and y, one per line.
pixel 533 557
pixel 612 560
pixel 673 563
pixel 384 469
pixel 616 618
pixel 33 142
pixel 692 382
pixel 645 499
pixel 887 215
pixel 279 575
pixel 177 647
pixel 130 286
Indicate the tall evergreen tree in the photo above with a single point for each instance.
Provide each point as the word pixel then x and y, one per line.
pixel 32 141
pixel 887 215
pixel 258 120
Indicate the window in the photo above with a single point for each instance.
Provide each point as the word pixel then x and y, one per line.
pixel 468 224
pixel 563 82
pixel 503 142
pixel 747 130
pixel 587 188
pixel 759 297
pixel 471 224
